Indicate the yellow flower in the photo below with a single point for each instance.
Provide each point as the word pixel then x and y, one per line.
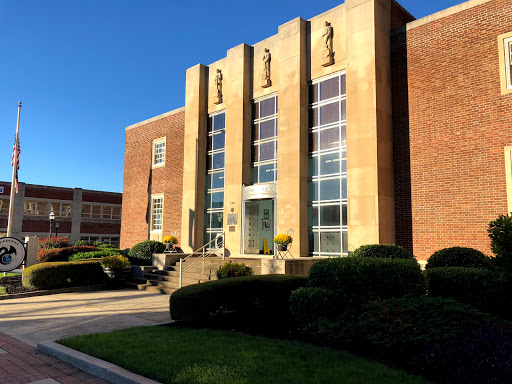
pixel 283 239
pixel 170 239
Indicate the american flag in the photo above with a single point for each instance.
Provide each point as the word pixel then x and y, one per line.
pixel 16 158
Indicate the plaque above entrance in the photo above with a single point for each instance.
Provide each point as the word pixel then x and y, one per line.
pixel 260 191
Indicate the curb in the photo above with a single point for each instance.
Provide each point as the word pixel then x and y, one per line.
pixel 54 291
pixel 97 367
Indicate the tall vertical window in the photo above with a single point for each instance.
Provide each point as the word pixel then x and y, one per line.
pixel 214 183
pixel 157 213
pixel 159 152
pixel 327 167
pixel 264 140
pixel 508 61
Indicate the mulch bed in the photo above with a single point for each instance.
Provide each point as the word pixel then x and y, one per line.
pixel 12 284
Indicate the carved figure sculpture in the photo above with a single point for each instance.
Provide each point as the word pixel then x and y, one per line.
pixel 265 75
pixel 218 84
pixel 327 54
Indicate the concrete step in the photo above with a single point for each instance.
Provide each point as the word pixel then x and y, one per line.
pixel 176 275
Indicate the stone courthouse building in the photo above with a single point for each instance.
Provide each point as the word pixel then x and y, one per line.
pixel 361 125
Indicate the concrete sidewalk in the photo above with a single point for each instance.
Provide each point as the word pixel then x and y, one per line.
pixel 49 318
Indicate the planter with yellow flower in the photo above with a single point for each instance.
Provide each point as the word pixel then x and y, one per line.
pixel 282 242
pixel 170 243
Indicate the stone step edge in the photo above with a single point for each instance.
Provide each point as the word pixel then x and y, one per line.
pixel 97 367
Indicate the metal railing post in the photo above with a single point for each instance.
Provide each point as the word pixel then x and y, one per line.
pixel 181 262
pixel 203 261
pixel 223 245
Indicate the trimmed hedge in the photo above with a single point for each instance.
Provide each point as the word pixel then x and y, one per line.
pixel 385 251
pixel 96 254
pixel 359 280
pixel 61 254
pixel 60 275
pixel 500 233
pixel 233 270
pixel 142 253
pixel 459 257
pixel 247 301
pixel 404 331
pixel 480 288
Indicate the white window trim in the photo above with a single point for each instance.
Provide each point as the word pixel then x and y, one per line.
pixel 153 197
pixel 505 60
pixel 153 150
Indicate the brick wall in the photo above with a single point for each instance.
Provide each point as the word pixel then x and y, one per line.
pixel 101 197
pixel 44 192
pixel 450 113
pixel 167 180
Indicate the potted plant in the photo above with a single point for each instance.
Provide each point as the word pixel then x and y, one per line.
pixel 170 242
pixel 117 268
pixel 282 241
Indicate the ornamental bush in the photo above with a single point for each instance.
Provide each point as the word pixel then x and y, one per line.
pixel 233 270
pixel 459 257
pixel 500 233
pixel 53 242
pixel 254 302
pixel 96 254
pixel 61 254
pixel 81 243
pixel 61 275
pixel 115 261
pixel 358 280
pixel 142 253
pixel 385 251
pixel 481 288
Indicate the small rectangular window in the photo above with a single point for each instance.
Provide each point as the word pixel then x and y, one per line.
pixel 4 206
pixel 157 211
pixel 159 152
pixel 505 56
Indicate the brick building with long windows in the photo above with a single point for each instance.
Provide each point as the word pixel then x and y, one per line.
pixel 361 125
pixel 79 213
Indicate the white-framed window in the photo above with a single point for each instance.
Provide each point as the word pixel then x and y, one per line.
pixel 159 152
pixel 264 140
pixel 507 49
pixel 327 167
pixel 98 211
pixel 505 60
pixel 157 213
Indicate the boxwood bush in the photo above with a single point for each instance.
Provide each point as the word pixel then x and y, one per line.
pixel 386 251
pixel 96 254
pixel 142 253
pixel 247 301
pixel 358 280
pixel 61 254
pixel 60 275
pixel 459 257
pixel 480 288
pixel 500 233
pixel 233 270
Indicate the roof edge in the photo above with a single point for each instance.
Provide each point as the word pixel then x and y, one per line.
pixel 173 112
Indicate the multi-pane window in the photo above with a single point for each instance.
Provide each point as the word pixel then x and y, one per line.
pixel 214 179
pixel 327 167
pixel 159 152
pixel 96 211
pixel 4 206
pixel 61 209
pixel 40 208
pixel 111 212
pixel 508 61
pixel 264 140
pixel 157 212
pixel 91 211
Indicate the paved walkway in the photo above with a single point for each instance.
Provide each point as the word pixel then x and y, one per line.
pixel 52 317
pixel 22 364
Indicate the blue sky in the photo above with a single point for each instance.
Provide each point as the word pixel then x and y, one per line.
pixel 86 69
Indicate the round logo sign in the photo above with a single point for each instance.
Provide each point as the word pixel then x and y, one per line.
pixel 12 253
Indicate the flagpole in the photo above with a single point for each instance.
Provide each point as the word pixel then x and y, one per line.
pixel 14 170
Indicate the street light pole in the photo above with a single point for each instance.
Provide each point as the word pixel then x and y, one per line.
pixel 57 229
pixel 52 217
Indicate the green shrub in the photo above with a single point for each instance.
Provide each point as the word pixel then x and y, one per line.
pixel 81 243
pixel 359 280
pixel 385 251
pixel 142 253
pixel 60 275
pixel 247 301
pixel 53 242
pixel 500 233
pixel 61 254
pixel 96 254
pixel 399 330
pixel 459 257
pixel 102 245
pixel 233 270
pixel 115 261
pixel 480 288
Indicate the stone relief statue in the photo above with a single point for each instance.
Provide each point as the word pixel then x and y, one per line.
pixel 218 84
pixel 327 54
pixel 265 75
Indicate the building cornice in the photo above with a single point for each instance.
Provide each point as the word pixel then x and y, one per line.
pixel 173 112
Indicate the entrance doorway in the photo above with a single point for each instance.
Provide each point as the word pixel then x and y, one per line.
pixel 259 222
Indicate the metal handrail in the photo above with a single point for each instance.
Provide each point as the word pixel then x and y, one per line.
pixel 202 251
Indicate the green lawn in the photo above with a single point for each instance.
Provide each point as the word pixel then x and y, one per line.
pixel 2 289
pixel 203 356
